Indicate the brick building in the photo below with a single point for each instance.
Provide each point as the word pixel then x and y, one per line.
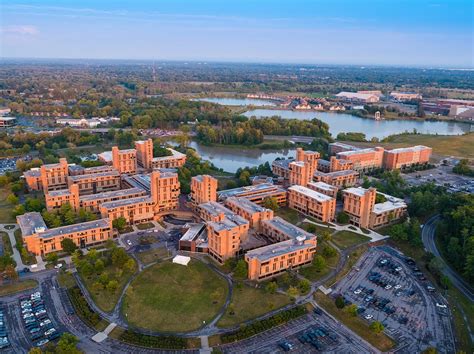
pixel 312 203
pixel 250 211
pixel 203 190
pixel 364 159
pixel 405 157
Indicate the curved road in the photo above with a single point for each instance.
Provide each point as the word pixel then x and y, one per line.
pixel 428 237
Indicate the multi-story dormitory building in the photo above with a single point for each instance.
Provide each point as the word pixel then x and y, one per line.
pixel 110 191
pixel 228 229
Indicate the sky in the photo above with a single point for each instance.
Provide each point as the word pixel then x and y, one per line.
pixel 428 33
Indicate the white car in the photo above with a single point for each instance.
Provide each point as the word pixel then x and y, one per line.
pixel 45 322
pixel 58 266
pixel 28 315
pixel 368 316
pixel 49 331
pixel 42 342
pixel 129 242
pixel 383 261
pixel 398 269
pixel 398 286
pixel 443 306
pixel 357 291
pixel 40 312
pixel 388 287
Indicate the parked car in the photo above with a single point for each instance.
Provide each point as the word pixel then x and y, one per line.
pixel 42 342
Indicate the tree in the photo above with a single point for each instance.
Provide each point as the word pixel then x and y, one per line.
pixel 271 287
pixel 292 292
pixel 10 272
pixel 35 350
pixel 319 263
pixel 376 327
pixel 304 286
pixel 119 257
pixel 445 282
pixel 339 302
pixel 68 245
pixel 13 199
pixel 326 235
pixel 119 223
pixel 352 309
pixel 52 258
pixel 240 270
pixel 328 251
pixel 67 344
pixel 112 285
pixel 271 203
pixel 99 266
pixel 342 218
pixel 430 350
pixel 130 265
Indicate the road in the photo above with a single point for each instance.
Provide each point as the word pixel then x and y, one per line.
pixel 428 237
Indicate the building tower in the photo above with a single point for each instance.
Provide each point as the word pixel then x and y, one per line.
pixel 144 153
pixel 203 189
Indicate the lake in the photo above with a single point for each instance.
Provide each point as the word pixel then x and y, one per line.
pixel 237 101
pixel 230 159
pixel 343 123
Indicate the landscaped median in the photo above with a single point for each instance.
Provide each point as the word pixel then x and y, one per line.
pixel 379 340
pixel 171 297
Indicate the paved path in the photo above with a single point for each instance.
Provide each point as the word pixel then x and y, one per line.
pixel 428 237
pixel 11 236
pixel 374 236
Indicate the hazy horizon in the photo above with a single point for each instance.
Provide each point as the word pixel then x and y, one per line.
pixel 424 33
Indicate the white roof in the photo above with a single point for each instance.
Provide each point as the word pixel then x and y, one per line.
pixel 361 96
pixel 322 185
pixel 183 260
pixel 357 191
pixel 406 149
pixel 310 193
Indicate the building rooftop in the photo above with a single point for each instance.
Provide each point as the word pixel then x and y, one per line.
pixel 360 96
pixel 323 162
pixel 112 194
pixel 356 190
pixel 283 163
pixel 106 156
pixel 74 167
pixel 127 151
pixel 30 222
pixel 125 202
pixel 336 173
pixel 59 193
pixel 194 231
pixel 323 186
pixel 268 252
pixel 246 204
pixel 228 223
pixel 256 188
pixel 344 146
pixel 175 155
pixel 391 203
pixel 83 226
pixel 310 193
pixel 288 229
pixel 357 152
pixel 408 149
pixel 34 172
pixel 111 173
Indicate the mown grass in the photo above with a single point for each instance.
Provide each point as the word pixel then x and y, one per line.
pixel 153 255
pixel 17 287
pixel 7 245
pixel 249 303
pixel 345 239
pixel 6 208
pixel 288 214
pixel 172 297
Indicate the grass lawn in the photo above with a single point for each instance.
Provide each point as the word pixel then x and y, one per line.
pixel 153 255
pixel 66 280
pixel 288 214
pixel 172 297
pixel 5 207
pixel 249 303
pixel 381 341
pixel 345 239
pixel 312 274
pixel 18 286
pixel 7 245
pixel 446 145
pixel 319 229
pixel 104 298
pixel 353 258
pixel 145 226
pixel 126 229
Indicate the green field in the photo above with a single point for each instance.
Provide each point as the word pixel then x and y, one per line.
pixel 443 145
pixel 153 255
pixel 345 239
pixel 249 303
pixel 5 207
pixel 18 286
pixel 7 245
pixel 172 297
pixel 288 214
pixel 145 226
pixel 311 273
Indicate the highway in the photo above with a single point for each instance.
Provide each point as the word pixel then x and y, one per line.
pixel 428 237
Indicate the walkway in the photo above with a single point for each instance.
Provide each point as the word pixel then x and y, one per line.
pixel 11 236
pixel 374 236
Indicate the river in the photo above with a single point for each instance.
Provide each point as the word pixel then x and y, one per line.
pixel 237 101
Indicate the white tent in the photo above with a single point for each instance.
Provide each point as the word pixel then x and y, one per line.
pixel 183 260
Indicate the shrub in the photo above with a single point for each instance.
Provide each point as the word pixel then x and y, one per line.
pixel 165 342
pixel 339 302
pixel 82 308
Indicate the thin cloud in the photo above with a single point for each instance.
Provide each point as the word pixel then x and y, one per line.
pixel 23 30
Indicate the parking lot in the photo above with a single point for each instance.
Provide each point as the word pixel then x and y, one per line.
pixel 442 176
pixel 307 334
pixel 388 287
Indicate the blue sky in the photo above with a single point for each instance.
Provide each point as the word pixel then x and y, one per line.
pixel 385 32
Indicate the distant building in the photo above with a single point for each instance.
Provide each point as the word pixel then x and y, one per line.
pixel 78 123
pixel 256 193
pixel 338 179
pixel 405 96
pixel 358 97
pixel 364 159
pixel 405 157
pixel 6 122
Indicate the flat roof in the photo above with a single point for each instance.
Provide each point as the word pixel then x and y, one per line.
pixel 336 173
pixel 408 149
pixel 345 146
pixel 311 193
pixel 175 155
pixel 356 152
pixel 277 249
pixel 283 163
pixel 391 203
pixel 355 95
pixel 323 162
pixel 29 222
pixel 124 202
pixel 246 204
pixel 262 187
pixel 111 194
pixel 111 173
pixel 322 185
pixel 288 229
pixel 356 190
pixel 106 156
pixel 83 226
pixel 228 223
pixel 34 172
pixel 60 192
pixel 194 230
